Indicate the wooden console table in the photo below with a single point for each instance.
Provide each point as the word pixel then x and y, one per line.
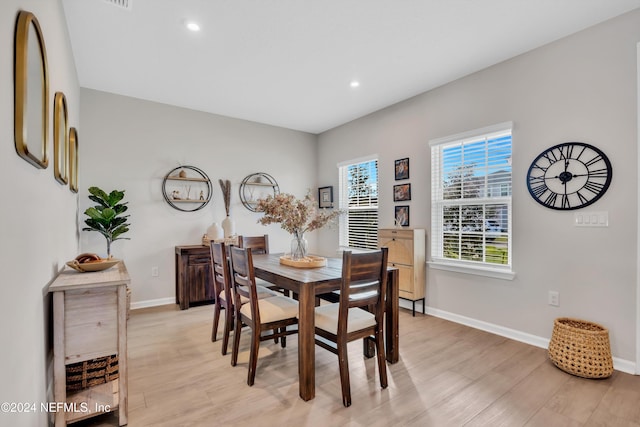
pixel 90 322
pixel 194 282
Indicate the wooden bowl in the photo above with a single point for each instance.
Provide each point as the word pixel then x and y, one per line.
pixel 89 267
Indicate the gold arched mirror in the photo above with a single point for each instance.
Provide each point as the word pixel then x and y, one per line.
pixel 31 85
pixel 73 160
pixel 60 139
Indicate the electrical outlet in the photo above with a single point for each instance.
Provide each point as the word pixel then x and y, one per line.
pixel 554 298
pixel 154 272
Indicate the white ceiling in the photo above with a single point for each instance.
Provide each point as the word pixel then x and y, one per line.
pixel 289 63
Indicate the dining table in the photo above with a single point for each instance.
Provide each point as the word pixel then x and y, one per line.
pixel 308 284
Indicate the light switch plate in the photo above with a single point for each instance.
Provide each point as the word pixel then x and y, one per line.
pixel 591 219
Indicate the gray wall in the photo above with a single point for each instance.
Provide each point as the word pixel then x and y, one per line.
pixel 581 88
pixel 37 221
pixel 129 144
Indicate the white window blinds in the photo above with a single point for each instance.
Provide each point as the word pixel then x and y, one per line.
pixel 471 198
pixel 358 183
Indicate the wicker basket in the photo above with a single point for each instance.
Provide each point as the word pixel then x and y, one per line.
pixel 581 348
pixel 93 372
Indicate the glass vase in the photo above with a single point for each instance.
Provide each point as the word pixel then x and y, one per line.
pixel 298 246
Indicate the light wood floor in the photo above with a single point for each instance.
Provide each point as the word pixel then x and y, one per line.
pixel 448 375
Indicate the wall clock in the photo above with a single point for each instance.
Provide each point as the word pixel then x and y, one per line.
pixel 569 176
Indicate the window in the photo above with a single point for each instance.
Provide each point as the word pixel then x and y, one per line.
pixel 471 200
pixel 359 198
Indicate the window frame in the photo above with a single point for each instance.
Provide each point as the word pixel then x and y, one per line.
pixel 343 202
pixel 439 202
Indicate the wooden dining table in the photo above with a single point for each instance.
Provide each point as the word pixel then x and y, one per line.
pixel 307 284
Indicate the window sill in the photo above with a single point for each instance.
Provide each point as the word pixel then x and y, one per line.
pixel 468 269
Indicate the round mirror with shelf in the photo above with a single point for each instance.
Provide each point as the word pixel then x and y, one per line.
pixel 187 188
pixel 257 186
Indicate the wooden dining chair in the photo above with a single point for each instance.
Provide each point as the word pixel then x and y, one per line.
pixel 268 318
pixel 358 314
pixel 224 293
pixel 260 245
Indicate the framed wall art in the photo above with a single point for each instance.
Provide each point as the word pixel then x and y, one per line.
pixel 31 96
pixel 60 139
pixel 401 192
pixel 73 160
pixel 402 216
pixel 402 169
pixel 325 197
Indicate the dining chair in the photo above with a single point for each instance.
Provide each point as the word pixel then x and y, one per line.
pixel 268 318
pixel 224 293
pixel 260 245
pixel 359 313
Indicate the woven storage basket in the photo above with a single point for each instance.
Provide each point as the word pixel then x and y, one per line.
pixel 93 372
pixel 581 348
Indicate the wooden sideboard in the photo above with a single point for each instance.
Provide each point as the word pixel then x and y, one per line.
pixel 194 282
pixel 90 322
pixel 407 254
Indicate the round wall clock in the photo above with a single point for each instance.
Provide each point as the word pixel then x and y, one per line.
pixel 569 176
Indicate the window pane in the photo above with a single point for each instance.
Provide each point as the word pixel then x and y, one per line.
pixel 471 198
pixel 359 196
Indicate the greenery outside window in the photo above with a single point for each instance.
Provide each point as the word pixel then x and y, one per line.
pixel 358 196
pixel 471 201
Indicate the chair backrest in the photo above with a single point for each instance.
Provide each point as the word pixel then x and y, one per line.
pixel 221 272
pixel 243 279
pixel 258 244
pixel 364 280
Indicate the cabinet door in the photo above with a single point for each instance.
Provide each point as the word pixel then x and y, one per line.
pixel 400 249
pixel 405 280
pixel 199 279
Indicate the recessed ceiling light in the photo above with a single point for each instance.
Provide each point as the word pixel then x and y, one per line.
pixel 192 26
pixel 354 83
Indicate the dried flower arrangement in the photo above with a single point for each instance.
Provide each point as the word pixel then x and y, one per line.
pixel 294 215
pixel 226 194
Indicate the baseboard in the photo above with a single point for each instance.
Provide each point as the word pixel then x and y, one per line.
pixel 152 303
pixel 619 364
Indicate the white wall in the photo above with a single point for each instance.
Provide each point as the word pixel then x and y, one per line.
pixel 130 144
pixel 37 220
pixel 581 88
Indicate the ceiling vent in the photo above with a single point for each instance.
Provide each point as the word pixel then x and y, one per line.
pixel 122 4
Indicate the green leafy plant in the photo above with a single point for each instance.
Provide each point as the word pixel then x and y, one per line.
pixel 107 216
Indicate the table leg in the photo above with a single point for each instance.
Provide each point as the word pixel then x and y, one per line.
pixel 306 342
pixel 392 311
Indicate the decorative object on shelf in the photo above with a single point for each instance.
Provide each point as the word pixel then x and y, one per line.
pixel 214 232
pixel 73 160
pixel 402 216
pixel 178 184
pixel 402 169
pixel 106 217
pixel 569 176
pixel 325 197
pixel 256 186
pixel 295 216
pixel 401 192
pixel 581 348
pixel 60 138
pixel 31 91
pixel 93 266
pixel 228 225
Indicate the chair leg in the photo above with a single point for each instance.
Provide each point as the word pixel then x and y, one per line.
pixel 343 362
pixel 382 363
pixel 216 319
pixel 283 339
pixel 236 340
pixel 253 356
pixel 228 324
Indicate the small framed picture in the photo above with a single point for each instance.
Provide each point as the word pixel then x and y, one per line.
pixel 402 216
pixel 401 192
pixel 325 197
pixel 402 169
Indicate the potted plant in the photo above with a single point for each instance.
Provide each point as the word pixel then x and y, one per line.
pixel 107 216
